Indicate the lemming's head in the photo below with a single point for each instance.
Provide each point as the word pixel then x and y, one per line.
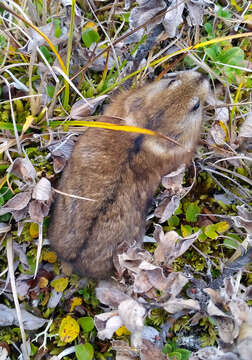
pixel 170 107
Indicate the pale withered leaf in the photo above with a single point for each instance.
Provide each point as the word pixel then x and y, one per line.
pixel 217 134
pixel 109 295
pixel 42 190
pixel 173 18
pixel 149 351
pixel 150 333
pixel 18 202
pixel 167 208
pixel 22 284
pixel 38 210
pixel 107 324
pixel 83 108
pixel 171 245
pixel 173 181
pixel 20 250
pixel 174 305
pixel 23 169
pixel 132 258
pixel 55 297
pixel 196 13
pixel 146 10
pixel 244 219
pixel 246 127
pixel 124 351
pixel 8 317
pixel 133 314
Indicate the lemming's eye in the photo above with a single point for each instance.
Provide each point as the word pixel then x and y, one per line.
pixel 196 106
pixel 171 82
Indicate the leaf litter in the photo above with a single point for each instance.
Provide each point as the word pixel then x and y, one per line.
pixel 187 273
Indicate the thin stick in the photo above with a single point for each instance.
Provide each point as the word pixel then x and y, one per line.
pixel 72 195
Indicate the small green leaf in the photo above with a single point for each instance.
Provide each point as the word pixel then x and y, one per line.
pixel 232 56
pixel 210 231
pixel 222 226
pixel 212 52
pixel 46 54
pixel 231 244
pixel 90 36
pixel 84 352
pixel 175 355
pixel 34 349
pixel 57 28
pixel 202 237
pixel 186 230
pixel 173 221
pixel 192 212
pixel 50 90
pixel 208 27
pixel 167 348
pixel 87 323
pixel 226 14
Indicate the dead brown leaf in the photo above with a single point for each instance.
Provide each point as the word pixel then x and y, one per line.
pixel 23 169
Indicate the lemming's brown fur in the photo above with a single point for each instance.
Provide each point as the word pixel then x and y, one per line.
pixel 122 171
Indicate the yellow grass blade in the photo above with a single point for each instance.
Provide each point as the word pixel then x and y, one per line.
pixel 105 125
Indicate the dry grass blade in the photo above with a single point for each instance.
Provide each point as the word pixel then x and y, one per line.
pixel 15 297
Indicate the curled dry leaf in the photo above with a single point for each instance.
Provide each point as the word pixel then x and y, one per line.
pixel 173 18
pixel 196 13
pixel 3 353
pixel 244 219
pixel 150 333
pixel 64 148
pixel 110 295
pixel 20 250
pixel 175 283
pixel 38 210
pixel 55 297
pixel 146 10
pixel 246 128
pixel 244 345
pixel 8 317
pixel 173 181
pixel 152 276
pixel 61 152
pixel 171 245
pixel 175 305
pixel 83 108
pixel 132 314
pixel 149 351
pixel 226 329
pixel 244 348
pixel 213 310
pixel 42 190
pixel 16 204
pixel 167 208
pixel 132 258
pixel 23 169
pixel 142 283
pixel 217 135
pixel 107 324
pixel 4 228
pixel 221 113
pixel 123 350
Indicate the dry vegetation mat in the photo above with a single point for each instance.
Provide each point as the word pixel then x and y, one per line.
pixel 186 293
